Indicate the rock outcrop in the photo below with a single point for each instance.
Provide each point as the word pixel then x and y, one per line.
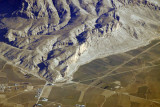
pixel 52 38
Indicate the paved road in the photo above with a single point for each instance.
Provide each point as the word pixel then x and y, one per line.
pixel 41 92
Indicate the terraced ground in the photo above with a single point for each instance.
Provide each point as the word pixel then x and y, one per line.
pixel 130 79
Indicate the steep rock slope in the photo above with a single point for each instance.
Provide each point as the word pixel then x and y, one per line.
pixel 51 38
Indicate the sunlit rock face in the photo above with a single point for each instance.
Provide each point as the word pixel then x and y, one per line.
pixel 52 38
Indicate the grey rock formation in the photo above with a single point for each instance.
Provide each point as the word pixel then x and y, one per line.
pixel 52 38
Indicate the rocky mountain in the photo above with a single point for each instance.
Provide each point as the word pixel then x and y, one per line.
pixel 52 38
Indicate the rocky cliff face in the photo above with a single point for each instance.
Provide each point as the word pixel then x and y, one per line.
pixel 51 38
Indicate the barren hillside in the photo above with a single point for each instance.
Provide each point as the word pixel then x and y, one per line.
pixel 52 38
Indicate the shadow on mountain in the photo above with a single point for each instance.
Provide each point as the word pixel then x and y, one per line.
pixel 2 38
pixel 7 7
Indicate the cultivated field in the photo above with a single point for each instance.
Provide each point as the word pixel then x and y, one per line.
pixel 17 89
pixel 130 79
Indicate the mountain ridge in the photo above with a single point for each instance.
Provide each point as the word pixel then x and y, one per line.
pixel 52 38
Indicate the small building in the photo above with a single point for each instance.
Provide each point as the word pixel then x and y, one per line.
pixel 16 84
pixel 2 87
pixel 78 105
pixel 39 105
pixel 44 99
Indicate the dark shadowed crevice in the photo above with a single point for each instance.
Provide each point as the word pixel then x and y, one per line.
pixel 3 32
pixel 98 6
pixel 42 65
pixel 7 7
pixel 81 38
pixel 118 18
pixel 63 71
pixel 2 37
pixel 55 53
pixel 98 26
pixel 62 12
pixel 75 12
pixel 70 43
